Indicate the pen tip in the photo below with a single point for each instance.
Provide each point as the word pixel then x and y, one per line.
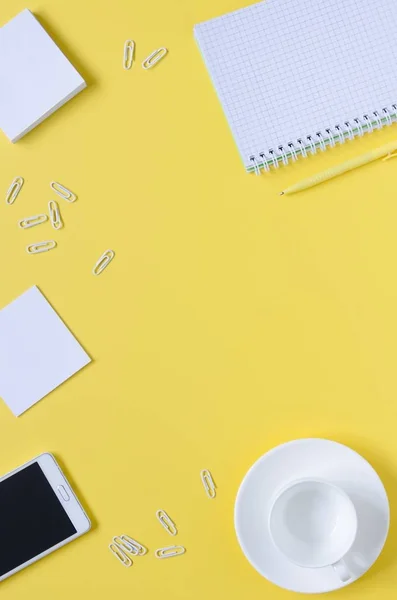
pixel 281 193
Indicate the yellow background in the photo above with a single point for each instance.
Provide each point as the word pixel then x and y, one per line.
pixel 231 319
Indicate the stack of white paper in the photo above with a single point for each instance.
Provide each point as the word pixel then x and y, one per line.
pixel 35 77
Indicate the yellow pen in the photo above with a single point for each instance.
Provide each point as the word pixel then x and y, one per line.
pixel 384 152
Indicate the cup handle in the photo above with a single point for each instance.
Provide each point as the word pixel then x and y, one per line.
pixel 342 571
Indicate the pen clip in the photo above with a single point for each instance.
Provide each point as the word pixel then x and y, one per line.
pixel 389 156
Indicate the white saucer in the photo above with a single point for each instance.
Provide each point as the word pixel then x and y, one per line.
pixel 296 460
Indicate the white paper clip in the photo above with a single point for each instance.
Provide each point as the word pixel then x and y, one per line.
pixel 170 551
pixel 103 262
pixel 166 522
pixel 14 190
pixel 125 545
pixel 119 554
pixel 63 192
pixel 139 549
pixel 208 483
pixel 154 58
pixel 39 247
pixel 32 221
pixel 129 51
pixel 55 215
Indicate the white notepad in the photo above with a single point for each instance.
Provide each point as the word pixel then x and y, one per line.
pixel 296 76
pixel 37 351
pixel 35 77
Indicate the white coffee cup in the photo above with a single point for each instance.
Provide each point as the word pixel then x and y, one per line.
pixel 314 524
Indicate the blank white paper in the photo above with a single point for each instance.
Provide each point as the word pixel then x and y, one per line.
pixel 37 351
pixel 287 69
pixel 36 78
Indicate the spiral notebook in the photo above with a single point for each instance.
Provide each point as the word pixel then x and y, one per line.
pixel 298 76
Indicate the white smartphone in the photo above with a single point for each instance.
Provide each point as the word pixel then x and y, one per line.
pixel 39 513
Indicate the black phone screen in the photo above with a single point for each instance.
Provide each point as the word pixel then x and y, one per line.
pixel 32 519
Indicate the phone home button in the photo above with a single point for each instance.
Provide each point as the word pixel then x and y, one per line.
pixel 63 493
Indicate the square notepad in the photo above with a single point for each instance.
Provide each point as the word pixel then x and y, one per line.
pixel 37 351
pixel 35 77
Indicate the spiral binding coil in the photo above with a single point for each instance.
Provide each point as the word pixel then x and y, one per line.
pixel 319 141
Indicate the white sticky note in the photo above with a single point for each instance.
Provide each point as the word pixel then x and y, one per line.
pixel 36 78
pixel 37 351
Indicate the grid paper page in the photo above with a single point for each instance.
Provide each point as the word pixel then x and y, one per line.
pixel 288 69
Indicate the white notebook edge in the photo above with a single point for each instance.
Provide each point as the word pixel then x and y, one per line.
pixel 363 124
pixel 196 34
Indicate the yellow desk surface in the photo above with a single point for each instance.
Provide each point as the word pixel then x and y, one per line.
pixel 231 319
